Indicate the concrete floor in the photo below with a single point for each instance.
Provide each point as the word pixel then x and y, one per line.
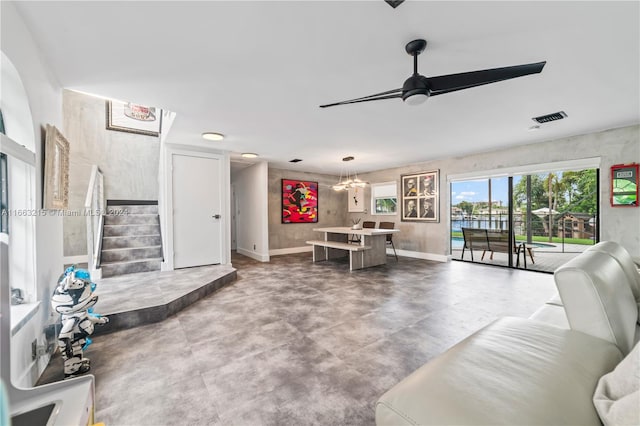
pixel 296 343
pixel 546 259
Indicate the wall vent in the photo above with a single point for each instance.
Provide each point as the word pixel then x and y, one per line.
pixel 550 117
pixel 295 160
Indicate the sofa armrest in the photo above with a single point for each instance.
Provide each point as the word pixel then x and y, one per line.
pixel 514 371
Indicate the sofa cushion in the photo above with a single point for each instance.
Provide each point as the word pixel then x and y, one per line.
pixel 551 314
pixel 627 263
pixel 555 300
pixel 617 396
pixel 597 298
pixel 514 371
pixel 622 256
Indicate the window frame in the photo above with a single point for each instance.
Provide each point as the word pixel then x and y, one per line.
pixel 374 198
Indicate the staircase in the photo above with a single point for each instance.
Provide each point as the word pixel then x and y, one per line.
pixel 131 239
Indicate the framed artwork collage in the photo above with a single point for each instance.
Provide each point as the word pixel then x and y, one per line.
pixel 420 197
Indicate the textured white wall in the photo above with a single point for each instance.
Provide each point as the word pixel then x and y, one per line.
pixel 614 146
pixel 251 189
pixel 129 162
pixel 332 210
pixel 45 101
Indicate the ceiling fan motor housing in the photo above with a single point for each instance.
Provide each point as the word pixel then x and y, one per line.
pixel 415 85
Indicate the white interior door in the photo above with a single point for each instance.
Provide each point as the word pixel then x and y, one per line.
pixel 197 227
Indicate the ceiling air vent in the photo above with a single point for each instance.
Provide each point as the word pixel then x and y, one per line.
pixel 295 160
pixel 550 117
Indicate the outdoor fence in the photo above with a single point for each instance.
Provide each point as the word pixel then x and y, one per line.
pixel 568 229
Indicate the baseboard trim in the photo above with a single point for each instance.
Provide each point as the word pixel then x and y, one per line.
pixel 69 260
pixel 291 250
pixel 252 254
pixel 420 255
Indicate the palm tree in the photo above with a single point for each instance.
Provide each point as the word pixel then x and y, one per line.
pixel 555 188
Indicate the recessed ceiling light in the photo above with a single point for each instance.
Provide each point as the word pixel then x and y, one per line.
pixel 212 136
pixel 249 155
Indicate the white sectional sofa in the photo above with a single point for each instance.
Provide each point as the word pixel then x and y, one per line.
pixel 543 370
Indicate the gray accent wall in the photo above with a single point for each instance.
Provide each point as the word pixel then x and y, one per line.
pixel 128 161
pixel 615 146
pixel 332 209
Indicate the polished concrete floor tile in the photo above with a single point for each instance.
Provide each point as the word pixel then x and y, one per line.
pixel 154 401
pixel 296 343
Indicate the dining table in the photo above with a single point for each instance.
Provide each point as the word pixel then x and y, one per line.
pixel 369 251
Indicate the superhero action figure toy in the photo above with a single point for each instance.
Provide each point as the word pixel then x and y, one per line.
pixel 73 298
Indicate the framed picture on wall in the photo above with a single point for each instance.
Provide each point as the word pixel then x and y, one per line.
pixel 356 200
pixel 56 170
pixel 624 185
pixel 299 201
pixel 420 197
pixel 132 118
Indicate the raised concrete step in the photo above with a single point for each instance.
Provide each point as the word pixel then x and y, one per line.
pixel 131 241
pixel 126 254
pixel 132 219
pixel 129 230
pixel 111 269
pixel 132 209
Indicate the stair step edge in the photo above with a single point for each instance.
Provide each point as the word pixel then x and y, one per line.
pixel 131 248
pixel 125 262
pixel 130 236
pixel 131 224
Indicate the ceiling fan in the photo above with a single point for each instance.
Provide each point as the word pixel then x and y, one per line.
pixel 417 88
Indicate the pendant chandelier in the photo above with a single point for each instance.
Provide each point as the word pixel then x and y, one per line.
pixel 350 180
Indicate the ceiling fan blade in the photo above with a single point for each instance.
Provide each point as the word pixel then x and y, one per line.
pixel 453 82
pixel 396 92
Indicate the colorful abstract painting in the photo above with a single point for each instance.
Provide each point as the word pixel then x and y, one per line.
pixel 299 201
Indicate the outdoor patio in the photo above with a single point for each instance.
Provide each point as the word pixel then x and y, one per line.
pixel 547 258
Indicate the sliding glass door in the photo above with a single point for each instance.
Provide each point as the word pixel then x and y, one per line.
pixel 533 221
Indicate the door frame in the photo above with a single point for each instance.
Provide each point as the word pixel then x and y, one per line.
pixel 167 209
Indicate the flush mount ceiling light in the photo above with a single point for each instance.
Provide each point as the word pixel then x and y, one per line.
pixel 350 181
pixel 212 136
pixel 249 155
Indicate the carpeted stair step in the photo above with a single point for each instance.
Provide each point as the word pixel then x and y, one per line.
pixel 109 243
pixel 129 230
pixel 111 269
pixel 131 219
pixel 128 210
pixel 126 254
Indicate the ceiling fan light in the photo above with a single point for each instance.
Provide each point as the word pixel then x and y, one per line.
pixel 416 98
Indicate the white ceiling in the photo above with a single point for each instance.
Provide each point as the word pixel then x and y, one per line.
pixel 257 71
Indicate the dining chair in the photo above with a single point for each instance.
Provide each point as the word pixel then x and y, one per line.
pixel 389 225
pixel 365 224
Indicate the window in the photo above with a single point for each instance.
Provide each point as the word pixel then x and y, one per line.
pixel 18 191
pixel 550 209
pixel 4 195
pixel 384 199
